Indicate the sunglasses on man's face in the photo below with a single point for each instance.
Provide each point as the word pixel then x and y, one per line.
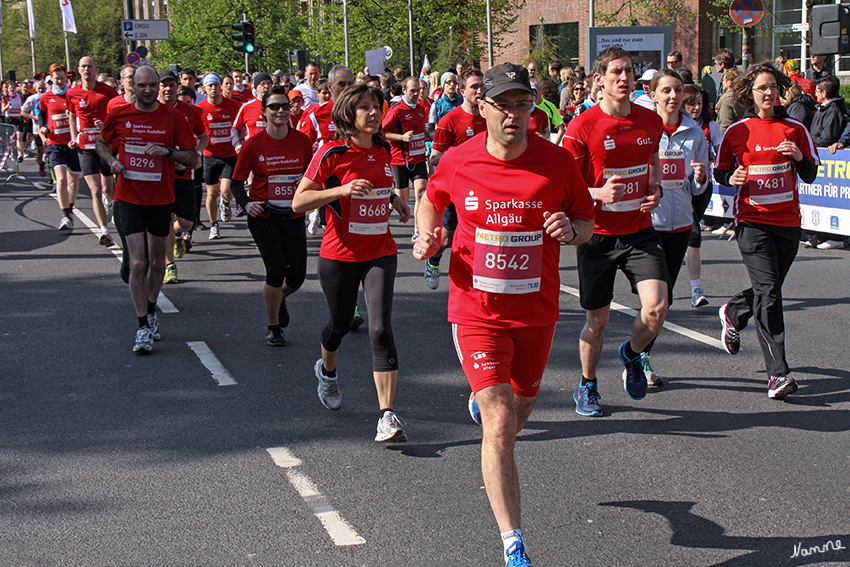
pixel 275 106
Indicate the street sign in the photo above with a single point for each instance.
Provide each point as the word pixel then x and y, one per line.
pixel 133 58
pixel 142 51
pixel 746 13
pixel 132 30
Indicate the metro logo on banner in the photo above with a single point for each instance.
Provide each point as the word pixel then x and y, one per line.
pixel 68 23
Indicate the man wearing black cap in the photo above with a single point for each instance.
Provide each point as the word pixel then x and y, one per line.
pixel 514 210
pixel 250 120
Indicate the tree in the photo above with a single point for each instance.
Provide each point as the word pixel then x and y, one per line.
pixel 201 36
pixel 638 12
pixel 98 27
pixel 373 23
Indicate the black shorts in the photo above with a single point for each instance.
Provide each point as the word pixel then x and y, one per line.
pixel 184 199
pixel 63 156
pixel 639 255
pixel 91 164
pixel 699 202
pixel 403 175
pixel 283 247
pixel 450 217
pixel 216 169
pixel 132 219
pixel 19 123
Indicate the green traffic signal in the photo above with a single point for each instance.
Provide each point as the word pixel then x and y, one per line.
pixel 245 38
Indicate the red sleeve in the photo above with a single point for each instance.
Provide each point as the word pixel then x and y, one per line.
pixel 321 167
pixel 580 205
pixel 306 127
pixel 239 122
pixel 197 122
pixel 390 120
pixel 438 186
pixel 183 137
pixel 443 137
pixel 726 159
pixel 108 131
pixel 245 161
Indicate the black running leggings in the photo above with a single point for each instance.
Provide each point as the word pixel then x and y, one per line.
pixel 340 282
pixel 283 247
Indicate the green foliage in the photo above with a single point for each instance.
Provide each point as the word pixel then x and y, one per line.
pixel 542 48
pixel 201 36
pixel 98 27
pixel 638 12
pixel 763 29
pixel 374 23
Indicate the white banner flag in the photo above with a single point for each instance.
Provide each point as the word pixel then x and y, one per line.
pixel 68 23
pixel 31 17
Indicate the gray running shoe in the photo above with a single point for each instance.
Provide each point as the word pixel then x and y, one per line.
pixel 144 341
pixel 390 428
pixel 780 386
pixel 153 323
pixel 328 389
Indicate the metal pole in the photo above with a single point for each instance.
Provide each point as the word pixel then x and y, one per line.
pixel 803 46
pixel 32 47
pixel 67 53
pixel 489 36
pixel 451 46
pixel 591 22
pixel 245 19
pixel 410 32
pixel 345 30
pixel 1 60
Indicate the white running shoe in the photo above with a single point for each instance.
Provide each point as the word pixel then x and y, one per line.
pixel 315 222
pixel 214 232
pixel 390 428
pixel 328 389
pixel 66 224
pixel 224 207
pixel 144 341
pixel 831 245
pixel 153 323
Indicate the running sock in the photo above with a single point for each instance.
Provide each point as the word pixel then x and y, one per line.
pixel 385 410
pixel 151 307
pixel 695 285
pixel 585 381
pixel 67 212
pixel 509 538
pixel 630 354
pixel 277 328
pixel 104 230
pixel 143 321
pixel 328 373
pixel 435 262
pixel 71 207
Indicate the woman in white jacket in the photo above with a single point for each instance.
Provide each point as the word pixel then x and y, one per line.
pixel 683 152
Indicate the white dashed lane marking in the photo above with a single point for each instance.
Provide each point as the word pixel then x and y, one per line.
pixel 340 531
pixel 208 359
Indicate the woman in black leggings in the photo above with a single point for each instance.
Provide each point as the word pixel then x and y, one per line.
pixel 352 175
pixel 277 157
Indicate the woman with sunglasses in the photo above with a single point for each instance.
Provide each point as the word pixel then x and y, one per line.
pixel 278 157
pixel 761 155
pixel 352 176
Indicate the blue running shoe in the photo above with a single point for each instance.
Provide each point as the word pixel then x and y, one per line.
pixel 474 412
pixel 517 556
pixel 634 380
pixel 587 400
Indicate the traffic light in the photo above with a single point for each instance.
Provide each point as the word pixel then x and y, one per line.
pixel 245 38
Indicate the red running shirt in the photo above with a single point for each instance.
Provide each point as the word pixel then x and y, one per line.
pixel 400 119
pixel 55 108
pixel 317 123
pixel 218 120
pixel 456 127
pixel 89 106
pixel 251 117
pixel 358 227
pixel 538 122
pixel 147 179
pixel 196 125
pixel 605 145
pixel 770 194
pixel 504 269
pixel 277 166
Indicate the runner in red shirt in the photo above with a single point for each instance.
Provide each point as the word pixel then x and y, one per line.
pixel 762 155
pixel 317 123
pixel 251 120
pixel 615 144
pixel 218 114
pixel 514 211
pixel 87 110
pixel 277 158
pixel 405 126
pixel 55 130
pixel 241 92
pixel 151 138
pixel 455 128
pixel 353 177
pixel 184 177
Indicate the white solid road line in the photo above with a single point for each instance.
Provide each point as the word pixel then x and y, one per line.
pixel 710 341
pixel 162 302
pixel 208 359
pixel 340 531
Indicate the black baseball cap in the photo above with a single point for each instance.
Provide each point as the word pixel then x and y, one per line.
pixel 168 75
pixel 505 77
pixel 260 76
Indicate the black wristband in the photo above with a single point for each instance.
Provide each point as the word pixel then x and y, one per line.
pixel 170 151
pixel 575 233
